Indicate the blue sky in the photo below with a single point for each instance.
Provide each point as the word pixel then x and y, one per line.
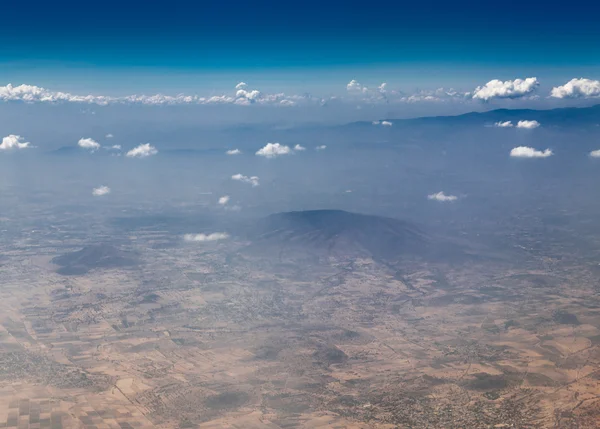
pixel 304 46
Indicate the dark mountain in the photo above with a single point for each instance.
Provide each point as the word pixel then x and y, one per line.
pixel 93 257
pixel 339 233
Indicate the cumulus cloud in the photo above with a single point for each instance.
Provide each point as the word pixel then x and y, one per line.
pixel 115 147
pixel 241 85
pixel 528 124
pixel 142 151
pixel 253 180
pixel 506 89
pixel 595 153
pixel 102 190
pixel 233 152
pixel 272 150
pixel 109 136
pixel 245 97
pixel 88 143
pixel 386 123
pixel 299 148
pixel 529 152
pixel 224 200
pixel 506 124
pixel 13 141
pixel 577 88
pixel 322 147
pixel 354 86
pixel 215 236
pixel 440 196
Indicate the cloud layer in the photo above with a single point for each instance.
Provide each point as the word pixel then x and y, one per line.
pixel 529 152
pixel 355 92
pixel 242 96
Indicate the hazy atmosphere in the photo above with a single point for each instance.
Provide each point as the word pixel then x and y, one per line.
pixel 299 216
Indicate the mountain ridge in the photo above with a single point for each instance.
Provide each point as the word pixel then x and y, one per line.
pixel 562 115
pixel 340 233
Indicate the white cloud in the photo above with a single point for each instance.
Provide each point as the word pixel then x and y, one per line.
pixel 215 236
pixel 508 89
pixel 322 147
pixel 386 123
pixel 109 136
pixel 224 200
pixel 354 86
pixel 241 96
pixel 244 97
pixel 375 122
pixel 529 152
pixel 357 95
pixel 440 196
pixel 272 150
pixel 528 124
pixel 233 152
pixel 299 148
pixel 253 180
pixel 142 151
pixel 577 88
pixel 595 153
pixel 88 143
pixel 436 96
pixel 115 147
pixel 506 124
pixel 102 190
pixel 13 141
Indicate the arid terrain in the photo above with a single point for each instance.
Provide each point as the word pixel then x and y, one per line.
pixel 212 335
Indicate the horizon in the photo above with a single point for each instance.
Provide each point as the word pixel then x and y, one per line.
pixel 462 56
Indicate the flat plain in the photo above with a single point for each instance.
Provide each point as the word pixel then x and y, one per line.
pixel 213 336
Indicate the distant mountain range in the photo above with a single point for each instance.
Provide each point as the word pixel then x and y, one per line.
pixel 562 116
